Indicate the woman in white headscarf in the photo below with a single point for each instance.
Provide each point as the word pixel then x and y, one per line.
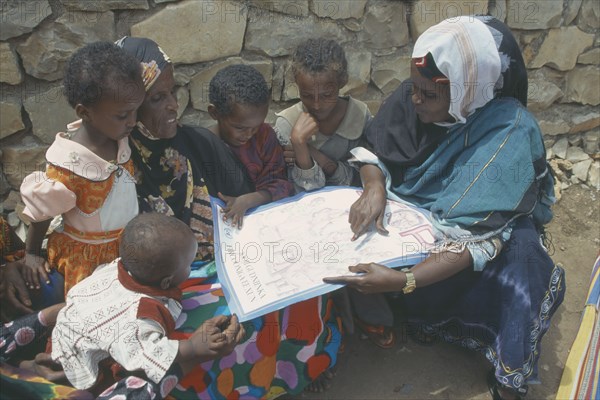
pixel 457 140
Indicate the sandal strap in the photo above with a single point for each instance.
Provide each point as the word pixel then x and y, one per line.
pixel 381 336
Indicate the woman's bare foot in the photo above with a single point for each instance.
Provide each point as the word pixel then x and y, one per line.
pixel 322 383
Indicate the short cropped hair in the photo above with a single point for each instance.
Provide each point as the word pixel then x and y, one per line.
pixel 237 84
pixel 320 55
pixel 97 68
pixel 149 244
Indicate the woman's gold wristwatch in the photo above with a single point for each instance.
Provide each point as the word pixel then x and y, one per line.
pixel 411 284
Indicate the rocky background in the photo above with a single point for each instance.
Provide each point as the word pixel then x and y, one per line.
pixel 560 40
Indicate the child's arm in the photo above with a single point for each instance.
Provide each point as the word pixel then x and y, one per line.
pixel 271 175
pixel 45 195
pixel 340 172
pixel 143 345
pixel 327 164
pixel 268 175
pixel 35 267
pixel 302 179
pixel 335 172
pixel 184 363
pixel 304 128
pixel 216 337
pixel 236 207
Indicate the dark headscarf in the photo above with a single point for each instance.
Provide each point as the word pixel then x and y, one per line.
pixel 152 58
pixel 401 140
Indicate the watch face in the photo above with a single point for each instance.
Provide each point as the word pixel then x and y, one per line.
pixel 410 281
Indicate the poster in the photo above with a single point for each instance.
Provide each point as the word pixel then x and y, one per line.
pixel 286 248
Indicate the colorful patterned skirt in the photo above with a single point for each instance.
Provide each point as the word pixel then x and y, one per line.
pixel 282 352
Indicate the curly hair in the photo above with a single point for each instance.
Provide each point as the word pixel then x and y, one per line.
pixel 321 55
pixel 237 84
pixel 95 69
pixel 145 253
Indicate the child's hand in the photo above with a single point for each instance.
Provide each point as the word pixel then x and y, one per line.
pixel 234 333
pixel 289 155
pixel 234 210
pixel 216 337
pixel 304 128
pixel 34 269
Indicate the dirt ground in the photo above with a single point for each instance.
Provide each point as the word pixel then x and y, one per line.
pixel 412 371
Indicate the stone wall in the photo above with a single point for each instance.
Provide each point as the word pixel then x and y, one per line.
pixel 560 40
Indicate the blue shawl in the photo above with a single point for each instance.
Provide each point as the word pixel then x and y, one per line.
pixel 482 175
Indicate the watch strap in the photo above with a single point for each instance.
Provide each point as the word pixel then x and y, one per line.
pixel 411 283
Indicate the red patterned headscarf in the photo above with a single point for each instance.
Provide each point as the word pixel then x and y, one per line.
pixel 427 68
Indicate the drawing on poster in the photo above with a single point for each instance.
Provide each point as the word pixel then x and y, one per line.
pixel 286 248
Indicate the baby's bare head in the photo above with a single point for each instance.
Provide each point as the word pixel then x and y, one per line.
pixel 155 246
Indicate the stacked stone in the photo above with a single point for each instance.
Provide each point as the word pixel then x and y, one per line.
pixel 561 51
pixel 560 40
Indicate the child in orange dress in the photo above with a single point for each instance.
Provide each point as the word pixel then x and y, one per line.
pixel 88 178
